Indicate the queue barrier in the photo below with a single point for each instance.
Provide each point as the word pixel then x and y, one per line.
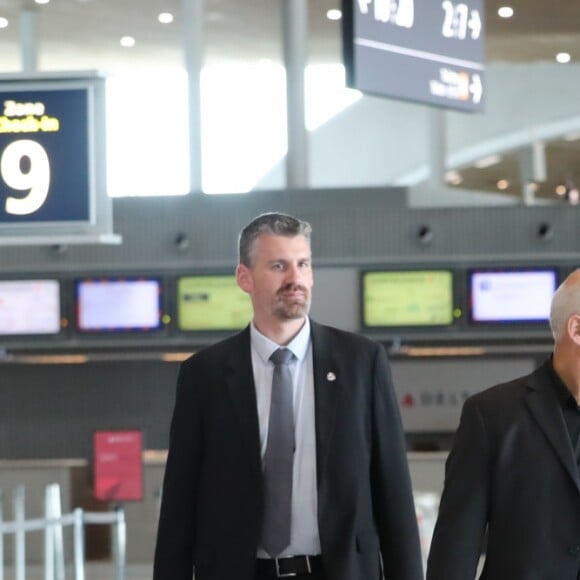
pixel 52 526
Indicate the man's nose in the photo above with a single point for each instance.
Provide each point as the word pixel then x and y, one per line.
pixel 293 273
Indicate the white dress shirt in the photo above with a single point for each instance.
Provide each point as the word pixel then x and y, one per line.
pixel 304 527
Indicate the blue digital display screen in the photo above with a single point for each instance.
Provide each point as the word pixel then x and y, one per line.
pixel 512 295
pixel 119 304
pixel 45 168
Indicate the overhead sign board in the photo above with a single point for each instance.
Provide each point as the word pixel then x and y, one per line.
pixel 417 50
pixel 52 159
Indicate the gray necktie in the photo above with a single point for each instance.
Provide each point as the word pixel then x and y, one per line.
pixel 279 458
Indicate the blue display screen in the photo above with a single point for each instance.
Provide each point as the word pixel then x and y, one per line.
pixel 45 169
pixel 119 304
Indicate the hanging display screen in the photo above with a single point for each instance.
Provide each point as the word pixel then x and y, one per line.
pixel 53 182
pixel 418 50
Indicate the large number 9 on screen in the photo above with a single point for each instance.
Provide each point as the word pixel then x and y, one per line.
pixel 36 180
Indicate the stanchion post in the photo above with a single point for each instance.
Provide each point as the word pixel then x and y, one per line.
pixel 1 535
pixel 79 544
pixel 19 536
pixel 56 510
pixel 48 535
pixel 120 543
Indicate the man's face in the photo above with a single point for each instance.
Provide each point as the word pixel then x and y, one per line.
pixel 279 281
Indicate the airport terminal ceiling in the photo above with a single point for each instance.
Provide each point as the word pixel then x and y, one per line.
pixel 85 34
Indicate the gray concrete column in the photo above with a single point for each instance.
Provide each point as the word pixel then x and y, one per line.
pixel 532 169
pixel 295 34
pixel 437 145
pixel 193 29
pixel 28 39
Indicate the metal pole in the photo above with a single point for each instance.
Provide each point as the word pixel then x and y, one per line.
pixel 28 39
pixel 56 509
pixel 19 536
pixel 79 544
pixel 48 535
pixel 193 15
pixel 1 536
pixel 295 33
pixel 120 544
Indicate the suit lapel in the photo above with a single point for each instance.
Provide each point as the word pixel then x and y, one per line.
pixel 240 384
pixel 543 406
pixel 327 382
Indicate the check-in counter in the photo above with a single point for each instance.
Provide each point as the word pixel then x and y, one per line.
pixel 34 476
pixel 141 517
pixel 74 479
pixel 427 470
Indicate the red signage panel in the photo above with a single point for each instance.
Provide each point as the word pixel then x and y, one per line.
pixel 118 457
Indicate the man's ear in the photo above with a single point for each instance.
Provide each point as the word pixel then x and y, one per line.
pixel 243 278
pixel 573 328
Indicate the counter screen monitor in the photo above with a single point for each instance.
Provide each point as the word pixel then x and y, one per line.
pixel 119 304
pixel 411 298
pixel 30 307
pixel 511 296
pixel 211 303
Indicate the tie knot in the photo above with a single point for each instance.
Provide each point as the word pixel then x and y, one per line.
pixel 282 356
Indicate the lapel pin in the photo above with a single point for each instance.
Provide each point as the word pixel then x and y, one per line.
pixel 330 376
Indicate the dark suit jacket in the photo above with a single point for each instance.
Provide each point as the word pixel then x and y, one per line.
pixel 512 468
pixel 211 510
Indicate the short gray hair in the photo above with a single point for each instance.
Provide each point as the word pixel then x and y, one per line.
pixel 565 303
pixel 277 224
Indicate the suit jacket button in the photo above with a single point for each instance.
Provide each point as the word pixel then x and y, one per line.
pixel 574 550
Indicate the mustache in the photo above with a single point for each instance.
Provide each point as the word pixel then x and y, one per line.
pixel 293 288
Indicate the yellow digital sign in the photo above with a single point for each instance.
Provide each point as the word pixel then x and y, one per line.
pixel 213 302
pixel 407 298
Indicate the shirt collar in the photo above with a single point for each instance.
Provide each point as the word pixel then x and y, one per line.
pixel 265 347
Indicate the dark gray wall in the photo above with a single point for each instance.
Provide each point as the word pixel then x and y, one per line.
pixel 51 411
pixel 351 227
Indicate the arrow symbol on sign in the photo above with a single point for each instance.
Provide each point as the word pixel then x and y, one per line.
pixel 364 6
pixel 476 88
pixel 474 24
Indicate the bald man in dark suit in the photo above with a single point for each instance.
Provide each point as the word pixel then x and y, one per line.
pixel 352 512
pixel 513 470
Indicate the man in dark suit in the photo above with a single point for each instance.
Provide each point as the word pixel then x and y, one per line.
pixel 513 470
pixel 351 509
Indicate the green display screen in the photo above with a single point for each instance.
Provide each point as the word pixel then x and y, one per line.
pixel 211 303
pixel 407 298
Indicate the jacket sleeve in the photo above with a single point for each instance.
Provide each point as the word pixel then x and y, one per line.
pixel 393 503
pixel 458 536
pixel 174 552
